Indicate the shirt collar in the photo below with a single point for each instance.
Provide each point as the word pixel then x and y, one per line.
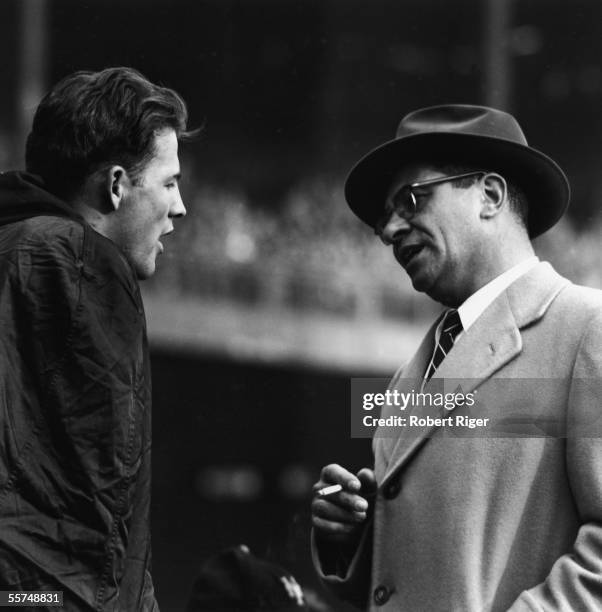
pixel 476 304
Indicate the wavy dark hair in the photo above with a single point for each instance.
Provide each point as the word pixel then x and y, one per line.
pixel 91 120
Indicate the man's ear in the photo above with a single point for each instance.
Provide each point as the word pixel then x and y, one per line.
pixel 494 195
pixel 116 182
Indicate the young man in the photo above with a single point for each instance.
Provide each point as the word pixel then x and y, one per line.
pixel 476 522
pixel 77 231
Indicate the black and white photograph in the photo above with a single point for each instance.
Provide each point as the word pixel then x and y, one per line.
pixel 300 305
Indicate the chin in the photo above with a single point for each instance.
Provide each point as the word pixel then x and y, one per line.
pixel 421 282
pixel 424 284
pixel 145 271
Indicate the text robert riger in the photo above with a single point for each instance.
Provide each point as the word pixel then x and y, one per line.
pixel 427 421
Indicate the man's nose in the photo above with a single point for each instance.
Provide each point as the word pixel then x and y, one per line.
pixel 177 208
pixel 394 229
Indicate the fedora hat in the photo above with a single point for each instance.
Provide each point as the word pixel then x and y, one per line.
pixel 484 137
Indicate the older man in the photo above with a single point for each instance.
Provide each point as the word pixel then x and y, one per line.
pixel 468 522
pixel 77 231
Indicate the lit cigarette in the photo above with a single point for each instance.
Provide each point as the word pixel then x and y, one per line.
pixel 330 490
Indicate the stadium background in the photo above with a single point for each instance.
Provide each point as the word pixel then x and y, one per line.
pixel 271 294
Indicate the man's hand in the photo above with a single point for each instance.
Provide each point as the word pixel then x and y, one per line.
pixel 339 517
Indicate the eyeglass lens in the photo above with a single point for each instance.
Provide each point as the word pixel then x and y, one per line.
pixel 405 202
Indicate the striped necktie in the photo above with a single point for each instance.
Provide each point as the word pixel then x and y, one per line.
pixel 452 326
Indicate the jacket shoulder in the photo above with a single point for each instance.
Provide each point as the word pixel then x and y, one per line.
pixel 44 234
pixel 64 236
pixel 577 301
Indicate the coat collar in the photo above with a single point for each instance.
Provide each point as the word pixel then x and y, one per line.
pixel 491 342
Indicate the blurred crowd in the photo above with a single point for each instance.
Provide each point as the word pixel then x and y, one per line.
pixel 311 254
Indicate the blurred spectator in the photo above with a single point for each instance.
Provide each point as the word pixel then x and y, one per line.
pixel 235 580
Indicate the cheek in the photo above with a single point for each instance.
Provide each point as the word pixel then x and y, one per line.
pixel 447 253
pixel 156 215
pixel 162 208
pixel 143 236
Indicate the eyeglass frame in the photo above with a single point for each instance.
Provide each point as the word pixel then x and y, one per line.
pixel 406 214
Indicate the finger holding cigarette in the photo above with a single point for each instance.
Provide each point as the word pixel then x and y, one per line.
pixel 340 506
pixel 336 475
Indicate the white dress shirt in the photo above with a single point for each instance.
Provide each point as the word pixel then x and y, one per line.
pixel 474 306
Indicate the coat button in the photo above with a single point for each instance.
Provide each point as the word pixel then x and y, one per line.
pixel 392 489
pixel 381 595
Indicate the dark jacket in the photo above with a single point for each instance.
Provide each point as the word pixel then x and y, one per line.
pixel 75 415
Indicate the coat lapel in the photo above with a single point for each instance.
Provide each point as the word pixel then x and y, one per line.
pixel 490 343
pixel 405 380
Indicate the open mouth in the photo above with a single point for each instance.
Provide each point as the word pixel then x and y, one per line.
pixel 407 253
pixel 160 243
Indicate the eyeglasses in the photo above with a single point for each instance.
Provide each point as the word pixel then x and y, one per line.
pixel 405 202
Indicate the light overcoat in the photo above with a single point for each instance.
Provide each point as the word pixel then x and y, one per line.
pixel 510 521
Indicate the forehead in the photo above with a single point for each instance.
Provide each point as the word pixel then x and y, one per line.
pixel 165 152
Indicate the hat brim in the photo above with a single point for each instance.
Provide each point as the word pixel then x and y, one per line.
pixel 543 181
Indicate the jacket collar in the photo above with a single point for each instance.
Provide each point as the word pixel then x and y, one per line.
pixel 24 195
